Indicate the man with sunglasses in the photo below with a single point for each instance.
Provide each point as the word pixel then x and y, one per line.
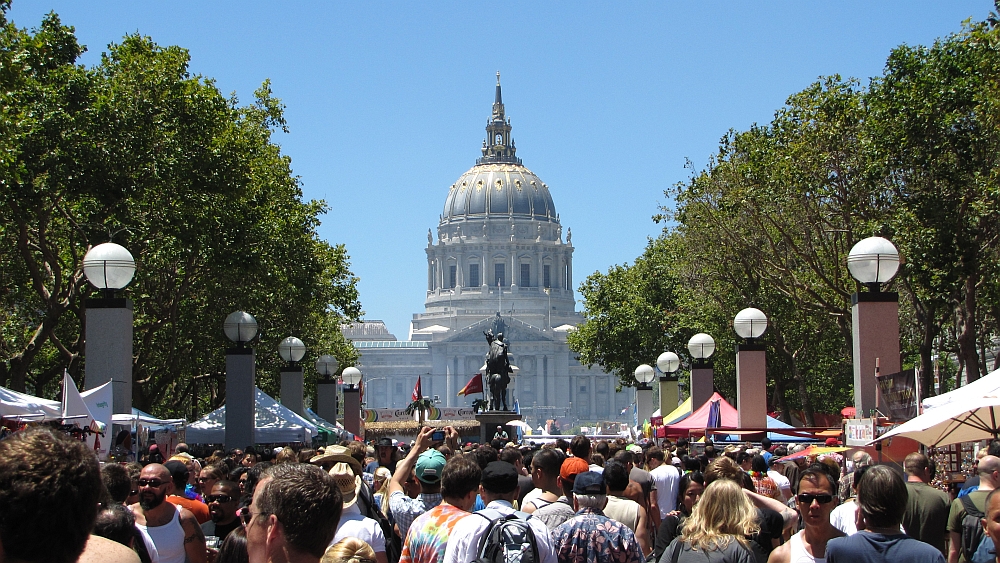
pixel 816 500
pixel 223 501
pixel 172 530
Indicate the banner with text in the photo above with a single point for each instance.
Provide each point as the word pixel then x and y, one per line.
pixel 399 415
pixel 897 395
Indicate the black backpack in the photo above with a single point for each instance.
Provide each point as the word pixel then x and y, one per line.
pixel 972 528
pixel 509 539
pixel 367 506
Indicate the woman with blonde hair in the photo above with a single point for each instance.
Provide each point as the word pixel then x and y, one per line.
pixel 717 530
pixel 381 487
pixel 349 550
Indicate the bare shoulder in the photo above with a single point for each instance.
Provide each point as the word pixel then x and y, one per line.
pixel 781 554
pixel 188 518
pixel 103 550
pixel 140 516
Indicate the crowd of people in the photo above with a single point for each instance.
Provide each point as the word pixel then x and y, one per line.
pixel 443 501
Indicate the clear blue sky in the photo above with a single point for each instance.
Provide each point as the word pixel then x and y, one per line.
pixel 387 102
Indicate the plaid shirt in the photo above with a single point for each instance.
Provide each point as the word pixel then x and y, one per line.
pixel 405 509
pixel 592 537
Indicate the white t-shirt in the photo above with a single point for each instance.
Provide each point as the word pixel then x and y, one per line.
pixel 843 517
pixel 666 478
pixel 784 485
pixel 355 525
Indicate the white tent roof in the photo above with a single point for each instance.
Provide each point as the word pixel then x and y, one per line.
pixel 14 405
pixel 145 419
pixel 986 386
pixel 275 424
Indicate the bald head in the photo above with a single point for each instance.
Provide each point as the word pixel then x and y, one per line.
pixel 989 470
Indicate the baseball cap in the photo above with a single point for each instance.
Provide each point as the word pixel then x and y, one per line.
pixel 178 471
pixel 499 477
pixel 429 466
pixel 385 442
pixel 832 442
pixel 589 483
pixel 572 467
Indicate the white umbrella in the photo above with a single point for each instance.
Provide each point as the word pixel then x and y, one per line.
pixel 519 424
pixel 968 421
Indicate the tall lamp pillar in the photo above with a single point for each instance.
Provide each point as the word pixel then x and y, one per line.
pixel 292 350
pixel 751 369
pixel 241 364
pixel 644 374
pixel 109 321
pixel 668 363
pixel 701 346
pixel 352 400
pixel 326 388
pixel 875 319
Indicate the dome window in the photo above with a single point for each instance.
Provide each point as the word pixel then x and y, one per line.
pixel 517 183
pixel 499 185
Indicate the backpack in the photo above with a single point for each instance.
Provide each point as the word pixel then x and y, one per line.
pixel 972 528
pixel 509 539
pixel 367 506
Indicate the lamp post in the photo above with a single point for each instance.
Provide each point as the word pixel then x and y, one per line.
pixel 644 374
pixel 751 369
pixel 241 328
pixel 326 388
pixel 701 346
pixel 292 350
pixel 668 363
pixel 352 400
pixel 875 319
pixel 109 320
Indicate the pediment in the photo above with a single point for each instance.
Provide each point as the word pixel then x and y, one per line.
pixel 515 331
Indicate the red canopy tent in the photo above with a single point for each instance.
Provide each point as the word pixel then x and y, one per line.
pixel 699 419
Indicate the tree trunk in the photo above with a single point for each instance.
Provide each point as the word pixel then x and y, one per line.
pixel 967 338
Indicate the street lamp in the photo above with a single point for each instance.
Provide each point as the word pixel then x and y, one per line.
pixel 292 350
pixel 701 346
pixel 241 328
pixel 873 261
pixel 668 363
pixel 109 324
pixel 108 267
pixel 750 324
pixel 874 318
pixel 352 399
pixel 644 374
pixel 751 369
pixel 326 388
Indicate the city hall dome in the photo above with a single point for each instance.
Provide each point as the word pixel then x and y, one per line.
pixel 498 186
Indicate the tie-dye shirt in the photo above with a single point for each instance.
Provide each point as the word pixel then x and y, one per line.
pixel 427 537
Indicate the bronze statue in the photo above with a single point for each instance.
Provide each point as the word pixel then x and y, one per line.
pixel 498 372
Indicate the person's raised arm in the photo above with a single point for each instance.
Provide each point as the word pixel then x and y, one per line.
pixel 451 438
pixel 788 516
pixel 404 467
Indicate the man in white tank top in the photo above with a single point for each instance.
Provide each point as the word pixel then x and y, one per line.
pixel 816 500
pixel 172 530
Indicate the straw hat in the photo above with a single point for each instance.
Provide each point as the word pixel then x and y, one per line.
pixel 348 482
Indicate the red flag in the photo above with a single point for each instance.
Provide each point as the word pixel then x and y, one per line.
pixel 418 393
pixel 475 385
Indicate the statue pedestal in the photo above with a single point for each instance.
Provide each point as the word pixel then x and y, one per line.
pixel 489 420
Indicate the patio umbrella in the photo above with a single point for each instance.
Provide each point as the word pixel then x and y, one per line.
pixel 520 424
pixel 815 450
pixel 965 421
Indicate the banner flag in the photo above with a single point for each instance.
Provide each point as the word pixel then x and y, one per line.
pixel 475 385
pixel 418 392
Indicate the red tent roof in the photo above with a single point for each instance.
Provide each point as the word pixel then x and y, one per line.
pixel 699 418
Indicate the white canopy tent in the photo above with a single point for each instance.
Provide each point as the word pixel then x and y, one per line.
pixel 22 406
pixel 986 386
pixel 274 423
pixel 146 419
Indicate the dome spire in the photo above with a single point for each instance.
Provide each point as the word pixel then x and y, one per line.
pixel 498 146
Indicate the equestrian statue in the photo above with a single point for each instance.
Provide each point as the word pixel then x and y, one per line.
pixel 497 372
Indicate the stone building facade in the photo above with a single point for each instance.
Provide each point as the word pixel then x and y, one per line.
pixel 499 248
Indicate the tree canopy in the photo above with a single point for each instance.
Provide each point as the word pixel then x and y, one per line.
pixel 912 156
pixel 138 151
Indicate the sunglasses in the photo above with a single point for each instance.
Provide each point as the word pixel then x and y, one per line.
pixel 806 498
pixel 245 515
pixel 133 493
pixel 219 498
pixel 155 483
pixel 204 479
